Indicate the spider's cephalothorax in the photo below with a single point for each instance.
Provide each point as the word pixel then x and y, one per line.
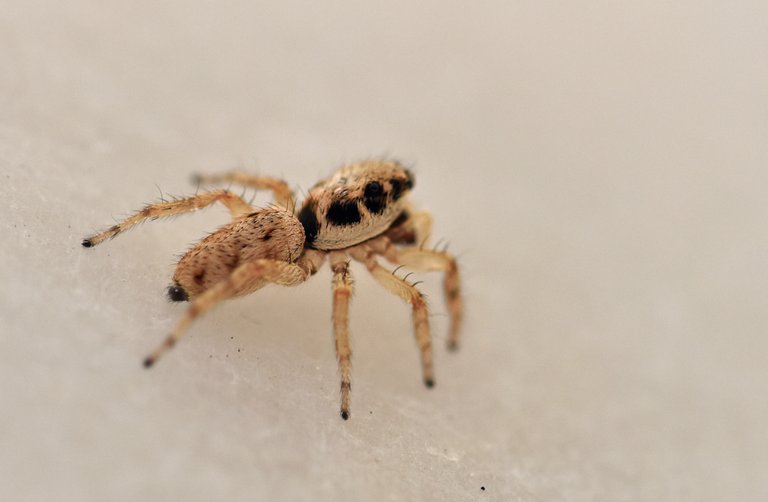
pixel 360 212
pixel 358 202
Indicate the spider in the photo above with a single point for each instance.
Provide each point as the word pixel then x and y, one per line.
pixel 360 212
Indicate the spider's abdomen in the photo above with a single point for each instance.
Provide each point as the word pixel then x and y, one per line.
pixel 268 233
pixel 357 203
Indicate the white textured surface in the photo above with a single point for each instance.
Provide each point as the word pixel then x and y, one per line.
pixel 601 168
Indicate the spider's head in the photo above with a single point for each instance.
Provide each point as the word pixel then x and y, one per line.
pixel 358 202
pixel 381 183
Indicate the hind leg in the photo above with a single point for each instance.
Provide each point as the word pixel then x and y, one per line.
pixel 245 278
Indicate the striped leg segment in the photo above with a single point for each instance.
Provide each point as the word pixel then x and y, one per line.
pixel 342 291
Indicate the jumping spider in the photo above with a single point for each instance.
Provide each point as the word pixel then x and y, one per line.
pixel 360 212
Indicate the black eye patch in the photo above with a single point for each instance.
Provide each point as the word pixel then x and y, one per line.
pixel 374 197
pixel 410 179
pixel 344 213
pixel 373 189
pixel 397 188
pixel 309 222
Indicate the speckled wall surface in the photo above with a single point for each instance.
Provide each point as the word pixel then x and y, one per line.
pixel 600 169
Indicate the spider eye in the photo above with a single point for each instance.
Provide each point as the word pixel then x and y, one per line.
pixel 397 188
pixel 373 189
pixel 410 180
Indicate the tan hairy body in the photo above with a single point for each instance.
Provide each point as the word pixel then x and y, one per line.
pixel 361 212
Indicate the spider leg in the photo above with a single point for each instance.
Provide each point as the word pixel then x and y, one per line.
pixel 422 226
pixel 236 205
pixel 410 294
pixel 427 260
pixel 245 278
pixel 342 291
pixel 280 190
pixel 414 229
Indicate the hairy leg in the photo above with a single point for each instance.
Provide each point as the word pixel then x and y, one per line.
pixel 422 226
pixel 236 205
pixel 425 260
pixel 410 294
pixel 342 291
pixel 280 189
pixel 242 278
pixel 414 229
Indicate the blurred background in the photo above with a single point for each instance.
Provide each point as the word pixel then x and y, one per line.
pixel 598 167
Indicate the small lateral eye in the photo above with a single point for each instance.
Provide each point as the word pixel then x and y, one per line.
pixel 397 188
pixel 373 189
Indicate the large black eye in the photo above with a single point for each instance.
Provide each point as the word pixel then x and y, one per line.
pixel 397 188
pixel 373 189
pixel 374 197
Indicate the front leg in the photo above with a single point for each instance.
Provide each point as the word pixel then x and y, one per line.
pixel 426 260
pixel 412 227
pixel 410 294
pixel 280 190
pixel 237 207
pixel 342 291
